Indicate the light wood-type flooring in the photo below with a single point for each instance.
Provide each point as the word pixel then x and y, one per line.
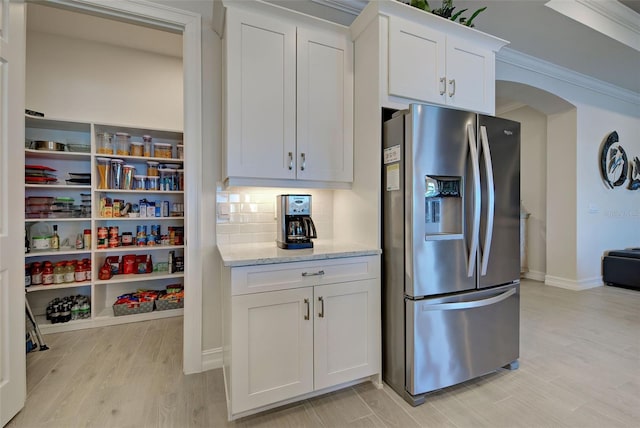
pixel 579 367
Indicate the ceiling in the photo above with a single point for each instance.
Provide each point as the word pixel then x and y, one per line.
pixel 533 27
pixel 633 4
pixel 63 22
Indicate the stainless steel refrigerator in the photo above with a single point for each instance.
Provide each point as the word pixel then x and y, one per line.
pixel 451 248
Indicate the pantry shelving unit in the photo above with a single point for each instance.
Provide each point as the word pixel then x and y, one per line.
pixel 103 293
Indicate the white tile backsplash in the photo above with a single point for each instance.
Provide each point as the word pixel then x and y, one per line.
pixel 248 214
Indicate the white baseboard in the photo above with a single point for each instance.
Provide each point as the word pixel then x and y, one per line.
pixel 571 284
pixel 534 275
pixel 211 359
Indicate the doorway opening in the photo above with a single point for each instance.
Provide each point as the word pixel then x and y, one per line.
pixel 131 65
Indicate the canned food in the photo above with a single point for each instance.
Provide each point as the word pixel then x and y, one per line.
pixel 127 238
pixel 114 231
pixel 102 232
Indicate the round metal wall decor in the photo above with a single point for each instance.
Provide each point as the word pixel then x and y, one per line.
pixel 615 167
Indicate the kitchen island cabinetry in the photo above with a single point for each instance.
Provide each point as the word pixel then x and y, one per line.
pixel 294 330
pixel 76 208
pixel 289 98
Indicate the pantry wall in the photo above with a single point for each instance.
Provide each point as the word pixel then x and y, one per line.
pixel 77 70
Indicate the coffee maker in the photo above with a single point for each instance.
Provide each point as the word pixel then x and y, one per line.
pixel 295 227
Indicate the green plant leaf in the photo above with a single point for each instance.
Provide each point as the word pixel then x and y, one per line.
pixel 421 4
pixel 476 13
pixel 457 14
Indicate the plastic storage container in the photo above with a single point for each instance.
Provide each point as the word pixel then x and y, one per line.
pixel 153 182
pixel 104 173
pixel 146 140
pixel 152 169
pixel 122 143
pixel 116 173
pixel 104 144
pixel 140 182
pixel 180 151
pixel 128 172
pixel 162 150
pixel 137 148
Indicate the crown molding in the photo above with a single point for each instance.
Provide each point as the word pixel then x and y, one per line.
pixel 353 7
pixel 610 18
pixel 536 65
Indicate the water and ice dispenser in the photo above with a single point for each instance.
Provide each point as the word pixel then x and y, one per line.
pixel 443 208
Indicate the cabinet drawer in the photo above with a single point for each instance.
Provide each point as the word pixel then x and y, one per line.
pixel 282 276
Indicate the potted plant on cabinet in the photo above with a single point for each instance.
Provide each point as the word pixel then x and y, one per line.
pixel 446 10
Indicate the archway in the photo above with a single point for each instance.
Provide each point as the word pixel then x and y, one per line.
pixel 548 173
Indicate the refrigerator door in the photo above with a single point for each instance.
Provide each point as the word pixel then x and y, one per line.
pixel 438 211
pixel 499 151
pixel 457 338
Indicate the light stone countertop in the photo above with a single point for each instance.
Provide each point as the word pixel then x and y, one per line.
pixel 262 253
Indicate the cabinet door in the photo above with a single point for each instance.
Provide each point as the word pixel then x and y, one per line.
pixel 325 106
pixel 416 62
pixel 346 332
pixel 272 347
pixel 260 97
pixel 470 76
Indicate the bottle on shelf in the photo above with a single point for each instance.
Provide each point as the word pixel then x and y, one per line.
pixel 55 239
pixel 27 245
pixel 47 273
pixel 58 273
pixel 79 241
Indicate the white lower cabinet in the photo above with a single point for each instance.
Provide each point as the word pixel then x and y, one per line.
pixel 272 336
pixel 304 338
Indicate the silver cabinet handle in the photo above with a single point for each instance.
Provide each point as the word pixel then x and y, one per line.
pixel 306 302
pixel 304 161
pixel 320 272
pixel 321 313
pixel 475 167
pixel 452 86
pixel 491 200
pixel 443 85
pixel 290 161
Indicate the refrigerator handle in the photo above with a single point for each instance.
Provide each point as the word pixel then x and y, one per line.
pixel 476 201
pixel 491 201
pixel 468 305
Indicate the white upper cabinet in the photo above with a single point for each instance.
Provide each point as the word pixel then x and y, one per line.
pixel 429 59
pixel 261 96
pixel 325 106
pixel 416 61
pixel 289 99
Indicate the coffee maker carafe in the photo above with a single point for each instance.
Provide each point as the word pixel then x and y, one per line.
pixel 295 227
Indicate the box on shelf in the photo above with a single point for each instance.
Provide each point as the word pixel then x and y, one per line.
pixel 131 308
pixel 135 303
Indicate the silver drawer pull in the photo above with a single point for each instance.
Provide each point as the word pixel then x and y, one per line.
pixel 306 302
pixel 320 272
pixel 321 313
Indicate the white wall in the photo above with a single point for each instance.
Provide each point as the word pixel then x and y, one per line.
pixel 561 197
pixel 88 81
pixel 574 184
pixel 608 219
pixel 533 184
